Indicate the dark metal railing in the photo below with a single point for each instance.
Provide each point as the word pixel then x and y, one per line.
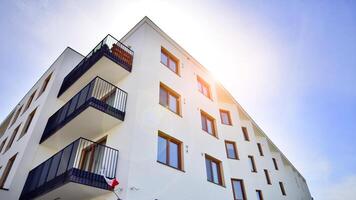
pixel 99 94
pixel 111 48
pixel 83 161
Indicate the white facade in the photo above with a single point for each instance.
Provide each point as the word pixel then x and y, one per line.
pixel 140 175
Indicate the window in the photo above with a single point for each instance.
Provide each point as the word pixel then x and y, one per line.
pixel 268 179
pixel 2 144
pixel 204 87
pixel 16 115
pixel 169 61
pixel 275 163
pixel 169 99
pixel 245 133
pixel 282 189
pixel 213 170
pixel 29 101
pixel 259 195
pixel 238 189
pixel 169 151
pixel 225 117
pixel 208 123
pixel 28 123
pixel 231 150
pixel 259 146
pixel 44 86
pixel 7 170
pixel 12 138
pixel 252 164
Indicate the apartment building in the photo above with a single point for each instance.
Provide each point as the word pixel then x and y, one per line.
pixel 143 110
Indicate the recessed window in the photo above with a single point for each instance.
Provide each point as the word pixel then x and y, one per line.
pixel 252 164
pixel 29 101
pixel 238 189
pixel 268 179
pixel 16 116
pixel 245 133
pixel 2 144
pixel 44 86
pixel 169 99
pixel 169 61
pixel 27 124
pixel 231 150
pixel 225 117
pixel 259 195
pixel 275 163
pixel 282 189
pixel 12 138
pixel 208 123
pixel 260 150
pixel 213 170
pixel 7 170
pixel 169 151
pixel 204 87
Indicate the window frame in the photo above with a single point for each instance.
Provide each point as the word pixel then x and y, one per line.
pixel 179 144
pixel 7 170
pixel 274 160
pixel 2 145
pixel 29 101
pixel 268 178
pixel 205 116
pixel 283 190
pixel 235 149
pixel 243 190
pixel 221 111
pixel 173 93
pixel 260 150
pixel 27 123
pixel 44 85
pixel 12 138
pixel 170 57
pixel 16 116
pixel 203 83
pixel 245 133
pixel 259 194
pixel 253 164
pixel 220 172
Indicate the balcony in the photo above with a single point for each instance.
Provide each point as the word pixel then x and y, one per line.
pixel 73 173
pixel 110 60
pixel 97 108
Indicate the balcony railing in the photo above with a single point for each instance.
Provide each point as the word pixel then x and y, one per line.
pixel 109 47
pixel 82 161
pixel 99 94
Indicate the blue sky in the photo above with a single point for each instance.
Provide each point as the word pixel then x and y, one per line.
pixel 291 64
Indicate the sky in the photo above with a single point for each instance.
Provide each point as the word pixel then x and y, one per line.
pixel 290 64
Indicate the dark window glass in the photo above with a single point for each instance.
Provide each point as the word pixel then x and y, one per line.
pixel 259 195
pixel 169 61
pixel 6 171
pixel 245 133
pixel 12 138
pixel 27 124
pixel 275 163
pixel 169 99
pixel 208 124
pixel 259 146
pixel 282 189
pixel 252 164
pixel 162 150
pixel 268 179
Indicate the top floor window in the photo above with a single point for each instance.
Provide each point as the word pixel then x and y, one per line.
pixel 45 84
pixel 225 117
pixel 16 115
pixel 29 101
pixel 169 61
pixel 169 98
pixel 259 146
pixel 245 133
pixel 275 163
pixel 204 87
